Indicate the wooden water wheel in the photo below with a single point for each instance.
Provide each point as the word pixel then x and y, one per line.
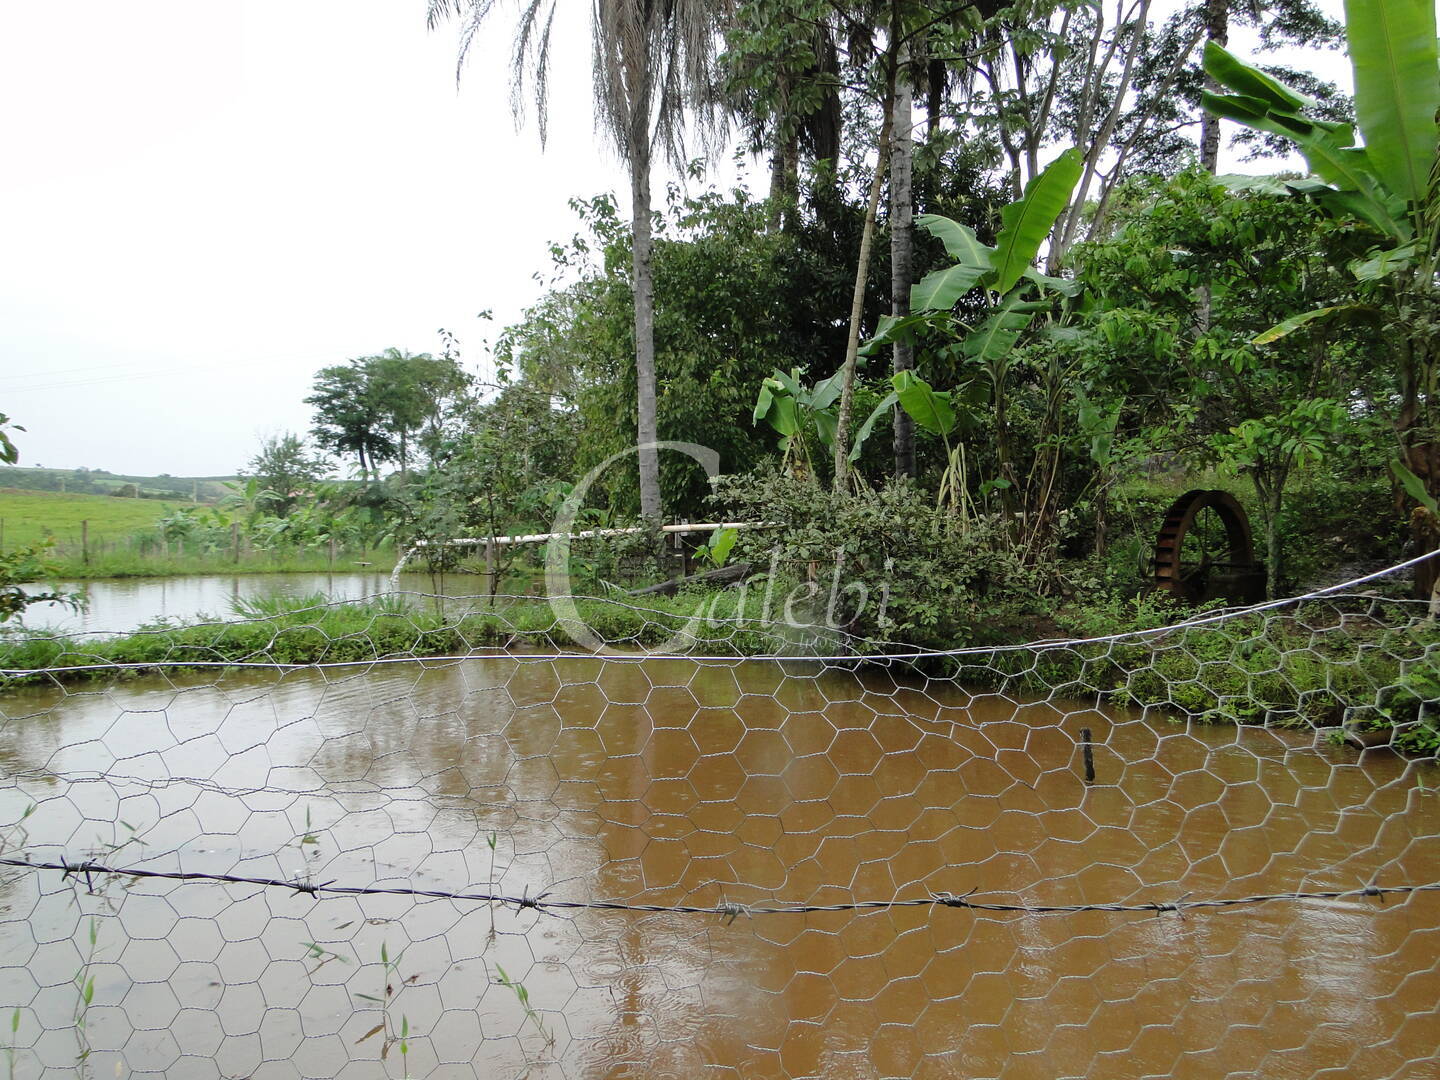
pixel 1205 550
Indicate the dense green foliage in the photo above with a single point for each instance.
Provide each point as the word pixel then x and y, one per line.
pixel 383 408
pixel 733 301
pixel 1085 324
pixel 1389 193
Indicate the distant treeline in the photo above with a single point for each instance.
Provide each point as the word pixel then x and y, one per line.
pixel 100 482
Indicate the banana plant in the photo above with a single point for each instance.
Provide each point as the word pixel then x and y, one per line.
pixel 1391 184
pixel 1011 291
pixel 248 498
pixel 1388 184
pixel 1005 272
pixel 800 414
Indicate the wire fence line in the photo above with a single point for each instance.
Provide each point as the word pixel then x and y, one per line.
pixel 858 654
pixel 1255 761
pixel 542 902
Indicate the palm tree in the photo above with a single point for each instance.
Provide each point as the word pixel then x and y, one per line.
pixel 902 250
pixel 653 65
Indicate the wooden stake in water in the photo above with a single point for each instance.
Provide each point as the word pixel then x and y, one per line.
pixel 1088 749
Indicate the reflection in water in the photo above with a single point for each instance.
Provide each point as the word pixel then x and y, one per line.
pixel 699 782
pixel 121 605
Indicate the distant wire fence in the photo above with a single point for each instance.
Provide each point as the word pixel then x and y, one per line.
pixel 299 846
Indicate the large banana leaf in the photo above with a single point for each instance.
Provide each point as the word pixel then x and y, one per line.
pixel 1328 147
pixel 777 408
pixel 927 407
pixel 1063 286
pixel 940 290
pixel 1342 204
pixel 1295 322
pixel 826 391
pixel 886 404
pixel 997 335
pixel 893 329
pixel 1027 222
pixel 1414 487
pixel 1245 184
pixel 1228 70
pixel 1397 89
pixel 1382 264
pixel 824 427
pixel 959 240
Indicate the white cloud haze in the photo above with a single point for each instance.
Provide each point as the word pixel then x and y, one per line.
pixel 205 203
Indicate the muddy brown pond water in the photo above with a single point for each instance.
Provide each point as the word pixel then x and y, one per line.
pixel 696 782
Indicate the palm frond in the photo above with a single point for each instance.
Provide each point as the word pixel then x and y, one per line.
pixel 654 66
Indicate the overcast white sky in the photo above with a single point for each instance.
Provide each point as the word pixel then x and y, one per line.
pixel 202 204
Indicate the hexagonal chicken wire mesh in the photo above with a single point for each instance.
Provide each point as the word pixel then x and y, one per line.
pixel 527 861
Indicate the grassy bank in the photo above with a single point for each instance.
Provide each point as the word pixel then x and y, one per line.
pixel 370 631
pixel 1367 673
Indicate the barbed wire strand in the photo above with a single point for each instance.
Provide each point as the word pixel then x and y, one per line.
pixel 542 902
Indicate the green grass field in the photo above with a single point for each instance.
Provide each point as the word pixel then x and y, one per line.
pixel 31 516
pixel 115 550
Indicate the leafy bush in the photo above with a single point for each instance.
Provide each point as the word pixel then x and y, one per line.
pixel 23 565
pixel 882 563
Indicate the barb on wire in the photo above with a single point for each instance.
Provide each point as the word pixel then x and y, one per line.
pixel 726 909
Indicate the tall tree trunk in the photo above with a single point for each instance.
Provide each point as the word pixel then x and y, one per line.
pixel 792 182
pixel 1270 493
pixel 785 182
pixel 1217 29
pixel 1415 425
pixel 777 183
pixel 934 97
pixel 644 287
pixel 1423 459
pixel 857 300
pixel 902 251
